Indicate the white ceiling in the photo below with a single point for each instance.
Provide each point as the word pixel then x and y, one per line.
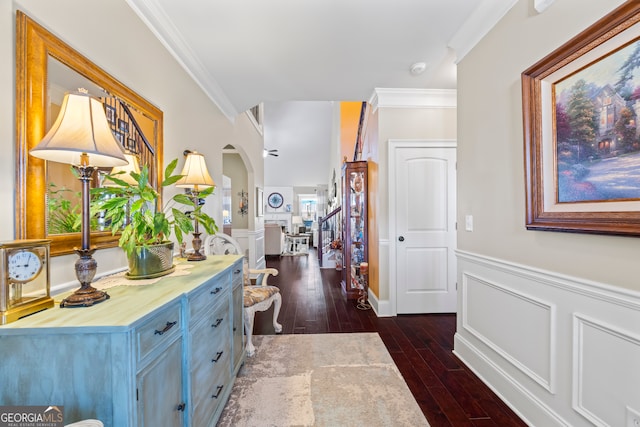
pixel 244 52
pixel 297 56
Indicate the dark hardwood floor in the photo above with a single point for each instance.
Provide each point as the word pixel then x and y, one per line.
pixel 421 345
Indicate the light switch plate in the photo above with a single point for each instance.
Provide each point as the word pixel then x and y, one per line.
pixel 468 222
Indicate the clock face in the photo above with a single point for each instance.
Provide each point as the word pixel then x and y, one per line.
pixel 275 200
pixel 24 265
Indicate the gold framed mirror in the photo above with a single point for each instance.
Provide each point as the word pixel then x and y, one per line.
pixel 46 68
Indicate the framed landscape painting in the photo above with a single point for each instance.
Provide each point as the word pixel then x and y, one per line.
pixel 581 117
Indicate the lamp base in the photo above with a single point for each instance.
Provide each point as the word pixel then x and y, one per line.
pixel 84 297
pixel 197 244
pixel 87 295
pixel 196 256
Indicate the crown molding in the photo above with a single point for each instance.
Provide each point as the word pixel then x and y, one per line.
pixel 541 5
pixel 160 25
pixel 257 122
pixel 413 98
pixel 483 19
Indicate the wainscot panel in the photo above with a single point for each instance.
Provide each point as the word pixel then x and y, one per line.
pixel 559 350
pixel 603 356
pixel 500 317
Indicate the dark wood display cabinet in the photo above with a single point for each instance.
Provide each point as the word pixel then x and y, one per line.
pixel 355 247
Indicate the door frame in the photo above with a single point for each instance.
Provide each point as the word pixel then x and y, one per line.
pixel 394 144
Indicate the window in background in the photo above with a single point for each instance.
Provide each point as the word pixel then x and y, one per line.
pixel 226 200
pixel 308 208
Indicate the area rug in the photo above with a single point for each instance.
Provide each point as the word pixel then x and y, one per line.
pixel 321 380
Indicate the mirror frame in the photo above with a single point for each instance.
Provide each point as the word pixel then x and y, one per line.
pixel 34 44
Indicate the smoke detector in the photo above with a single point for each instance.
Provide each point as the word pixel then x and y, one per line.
pixel 418 68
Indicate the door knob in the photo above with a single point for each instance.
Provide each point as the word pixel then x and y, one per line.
pixel 401 238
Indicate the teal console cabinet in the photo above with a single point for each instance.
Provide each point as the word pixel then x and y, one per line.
pixel 152 355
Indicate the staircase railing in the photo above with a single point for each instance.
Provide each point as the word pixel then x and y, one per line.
pixel 129 133
pixel 329 228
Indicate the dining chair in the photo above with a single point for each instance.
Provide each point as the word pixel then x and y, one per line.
pixel 258 297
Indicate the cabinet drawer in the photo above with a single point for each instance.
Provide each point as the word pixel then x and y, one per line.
pixel 236 271
pixel 210 295
pixel 209 366
pixel 159 330
pixel 210 396
pixel 210 343
pixel 238 325
pixel 210 363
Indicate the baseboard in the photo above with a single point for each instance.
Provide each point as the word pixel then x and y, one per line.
pixel 523 403
pixel 382 308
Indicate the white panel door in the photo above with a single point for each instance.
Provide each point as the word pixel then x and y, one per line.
pixel 425 197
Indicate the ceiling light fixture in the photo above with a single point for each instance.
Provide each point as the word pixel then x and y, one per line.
pixel 418 68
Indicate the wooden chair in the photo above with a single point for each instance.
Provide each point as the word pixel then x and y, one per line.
pixel 257 297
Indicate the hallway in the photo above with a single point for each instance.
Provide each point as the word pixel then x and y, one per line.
pixel 448 393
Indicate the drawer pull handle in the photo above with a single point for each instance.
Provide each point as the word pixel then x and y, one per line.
pixel 168 326
pixel 237 271
pixel 181 407
pixel 216 290
pixel 215 396
pixel 218 356
pixel 218 321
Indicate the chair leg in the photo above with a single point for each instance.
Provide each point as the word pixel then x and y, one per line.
pixel 249 315
pixel 277 303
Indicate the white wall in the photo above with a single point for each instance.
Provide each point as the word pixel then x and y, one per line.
pixel 431 117
pixel 7 126
pixel 111 35
pixel 301 132
pixel 551 321
pixel 491 157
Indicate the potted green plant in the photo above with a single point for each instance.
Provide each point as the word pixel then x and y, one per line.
pixel 130 207
pixel 63 215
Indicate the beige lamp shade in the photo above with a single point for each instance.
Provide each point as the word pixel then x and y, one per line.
pixel 81 127
pixel 133 166
pixel 195 173
pixel 296 220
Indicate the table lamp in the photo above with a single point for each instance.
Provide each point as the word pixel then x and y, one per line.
pixel 195 176
pixel 82 137
pixel 296 222
pixel 124 172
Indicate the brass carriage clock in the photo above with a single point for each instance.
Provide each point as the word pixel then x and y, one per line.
pixel 24 272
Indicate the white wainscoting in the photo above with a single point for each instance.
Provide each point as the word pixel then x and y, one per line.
pixel 259 244
pixel 534 356
pixel 604 357
pixel 384 303
pixel 252 242
pixel 559 350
